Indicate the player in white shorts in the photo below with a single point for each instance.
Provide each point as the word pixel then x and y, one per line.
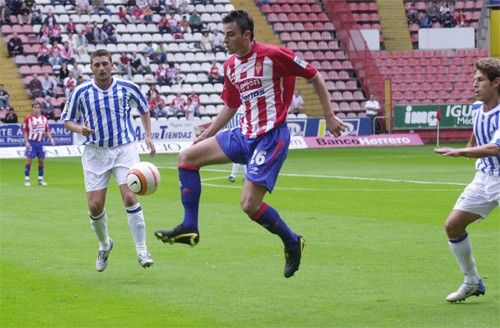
pixel 482 195
pixel 100 110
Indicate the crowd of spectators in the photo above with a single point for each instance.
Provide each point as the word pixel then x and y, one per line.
pixel 437 16
pixel 61 43
pixel 180 106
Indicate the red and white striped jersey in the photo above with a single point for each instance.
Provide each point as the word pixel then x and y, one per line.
pixel 35 127
pixel 264 82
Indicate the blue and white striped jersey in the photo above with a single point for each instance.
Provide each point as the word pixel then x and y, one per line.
pixel 107 112
pixel 236 119
pixel 486 127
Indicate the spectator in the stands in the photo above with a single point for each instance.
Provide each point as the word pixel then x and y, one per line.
pixel 50 20
pixel 297 104
pixel 448 20
pixel 136 63
pixel 194 104
pixel 136 15
pixel 69 84
pixel 35 87
pixel 460 19
pixel 4 98
pixel 433 12
pixel 88 31
pixel 195 22
pixel 70 26
pixel 163 24
pixel 214 74
pixel 100 6
pixel 77 71
pixel 149 51
pixel 182 7
pixel 161 75
pixel 11 116
pixel 97 34
pixel 55 33
pixel 109 31
pixel 124 65
pixel 44 35
pixel 55 59
pixel 82 43
pixel 178 105
pixel 412 15
pixel 184 25
pixel 217 41
pixel 15 45
pixel 173 25
pixel 156 104
pixel 155 6
pixel 24 16
pixel 372 107
pixel 161 54
pixel 43 54
pixel 425 20
pixel 83 6
pixel 205 44
pixel 47 107
pixel 49 85
pixel 36 15
pixel 63 73
pixel 173 75
pixel 445 6
pixel 67 53
pixel 147 14
pixel 122 14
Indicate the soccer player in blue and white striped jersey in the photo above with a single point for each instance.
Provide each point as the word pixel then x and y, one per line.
pixel 100 110
pixel 482 195
pixel 233 124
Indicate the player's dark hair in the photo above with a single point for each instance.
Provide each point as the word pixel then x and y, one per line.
pixel 242 19
pixel 100 53
pixel 489 67
pixel 36 103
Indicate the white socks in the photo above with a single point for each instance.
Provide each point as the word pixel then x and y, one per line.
pixel 137 226
pixel 462 249
pixel 99 224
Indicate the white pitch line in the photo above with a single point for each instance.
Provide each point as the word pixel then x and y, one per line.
pixel 325 189
pixel 344 177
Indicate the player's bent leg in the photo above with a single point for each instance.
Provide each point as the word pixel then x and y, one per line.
pixel 203 153
pixel 269 218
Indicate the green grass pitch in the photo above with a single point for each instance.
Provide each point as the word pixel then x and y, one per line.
pixel 376 252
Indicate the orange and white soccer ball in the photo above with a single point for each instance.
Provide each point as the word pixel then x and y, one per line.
pixel 143 178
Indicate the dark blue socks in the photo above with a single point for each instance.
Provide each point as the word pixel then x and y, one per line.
pixel 270 219
pixel 190 185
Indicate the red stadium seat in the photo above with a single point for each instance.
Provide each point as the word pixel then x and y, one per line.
pixel 266 9
pixel 272 17
pixel 337 96
pixel 340 85
pixel 347 95
pixel 333 75
pixel 343 75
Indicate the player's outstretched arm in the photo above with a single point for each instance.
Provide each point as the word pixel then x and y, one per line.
pixel 218 123
pixel 333 123
pixel 487 150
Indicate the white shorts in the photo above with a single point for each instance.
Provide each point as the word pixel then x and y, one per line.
pixel 99 163
pixel 481 196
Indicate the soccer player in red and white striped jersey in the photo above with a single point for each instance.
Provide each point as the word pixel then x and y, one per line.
pixel 261 78
pixel 35 128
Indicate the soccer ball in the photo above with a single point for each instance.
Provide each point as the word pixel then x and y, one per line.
pixel 143 178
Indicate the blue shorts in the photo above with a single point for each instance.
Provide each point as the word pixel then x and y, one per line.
pixel 36 150
pixel 264 155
